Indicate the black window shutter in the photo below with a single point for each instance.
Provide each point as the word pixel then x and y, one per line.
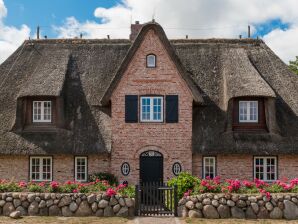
pixel 172 109
pixel 131 108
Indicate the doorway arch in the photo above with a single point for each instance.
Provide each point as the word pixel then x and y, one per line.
pixel 151 166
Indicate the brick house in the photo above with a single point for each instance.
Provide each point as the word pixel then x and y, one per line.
pixel 147 108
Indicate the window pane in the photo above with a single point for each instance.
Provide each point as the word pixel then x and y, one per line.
pixel 151 60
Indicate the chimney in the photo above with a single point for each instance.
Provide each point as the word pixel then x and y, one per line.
pixel 134 30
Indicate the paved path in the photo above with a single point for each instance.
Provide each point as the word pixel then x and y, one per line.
pixel 156 220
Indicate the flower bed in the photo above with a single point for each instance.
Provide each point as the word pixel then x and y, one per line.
pixel 68 187
pixel 189 185
pixel 213 198
pixel 97 198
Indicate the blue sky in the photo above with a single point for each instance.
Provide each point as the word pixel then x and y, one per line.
pixel 54 12
pixel 275 21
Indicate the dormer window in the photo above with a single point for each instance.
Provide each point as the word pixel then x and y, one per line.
pixel 42 111
pixel 248 111
pixel 151 61
pixel 249 114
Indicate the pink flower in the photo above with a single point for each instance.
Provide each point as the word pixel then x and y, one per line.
pixel 268 196
pixel 54 184
pixel 187 193
pixel 110 192
pixel 75 191
pixel 294 182
pixel 42 184
pixel 216 179
pixel 247 184
pixel 22 184
pixel 68 182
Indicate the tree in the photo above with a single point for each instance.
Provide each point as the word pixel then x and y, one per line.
pixel 294 65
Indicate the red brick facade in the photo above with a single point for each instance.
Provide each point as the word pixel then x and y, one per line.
pixel 129 140
pixel 242 166
pixel 17 167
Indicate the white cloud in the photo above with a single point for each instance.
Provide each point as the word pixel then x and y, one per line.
pixel 284 43
pixel 10 37
pixel 197 18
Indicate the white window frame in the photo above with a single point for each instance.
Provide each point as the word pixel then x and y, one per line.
pixel 213 165
pixel 76 168
pixel 40 172
pixel 248 111
pixel 42 114
pixel 151 113
pixel 265 167
pixel 154 61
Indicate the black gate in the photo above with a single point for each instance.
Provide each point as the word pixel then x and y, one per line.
pixel 154 198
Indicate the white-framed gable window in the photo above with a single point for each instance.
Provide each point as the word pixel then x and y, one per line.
pixel 151 61
pixel 42 111
pixel 81 165
pixel 265 168
pixel 41 168
pixel 248 111
pixel 151 109
pixel 209 167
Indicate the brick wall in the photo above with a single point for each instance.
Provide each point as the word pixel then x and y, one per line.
pixel 17 167
pixel 241 166
pixel 14 168
pixel 129 140
pixel 288 166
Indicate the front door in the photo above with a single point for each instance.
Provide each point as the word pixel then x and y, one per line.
pixel 151 167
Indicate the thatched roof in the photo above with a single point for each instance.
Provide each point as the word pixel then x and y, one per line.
pixel 84 72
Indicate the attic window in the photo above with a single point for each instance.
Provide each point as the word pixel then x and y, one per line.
pixel 248 111
pixel 42 111
pixel 249 114
pixel 151 61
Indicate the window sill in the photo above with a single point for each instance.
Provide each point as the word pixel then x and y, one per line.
pixel 40 128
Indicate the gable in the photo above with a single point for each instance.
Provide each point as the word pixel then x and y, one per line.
pixel 164 43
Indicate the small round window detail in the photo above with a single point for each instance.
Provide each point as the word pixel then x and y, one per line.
pixel 125 169
pixel 177 168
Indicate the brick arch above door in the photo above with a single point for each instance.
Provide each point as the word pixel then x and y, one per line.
pixel 151 148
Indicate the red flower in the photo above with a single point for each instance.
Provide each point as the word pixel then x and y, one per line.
pixel 110 192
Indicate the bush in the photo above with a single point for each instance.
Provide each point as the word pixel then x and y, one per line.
pixel 32 187
pixel 184 182
pixel 112 180
pixel 128 192
pixel 9 187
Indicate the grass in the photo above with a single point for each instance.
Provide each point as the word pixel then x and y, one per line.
pixel 64 220
pixel 237 221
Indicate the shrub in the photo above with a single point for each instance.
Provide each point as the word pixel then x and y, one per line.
pixel 112 180
pixel 184 182
pixel 128 192
pixel 9 186
pixel 33 187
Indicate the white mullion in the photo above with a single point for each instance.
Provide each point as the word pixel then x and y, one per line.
pixel 151 108
pixel 248 110
pixel 265 169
